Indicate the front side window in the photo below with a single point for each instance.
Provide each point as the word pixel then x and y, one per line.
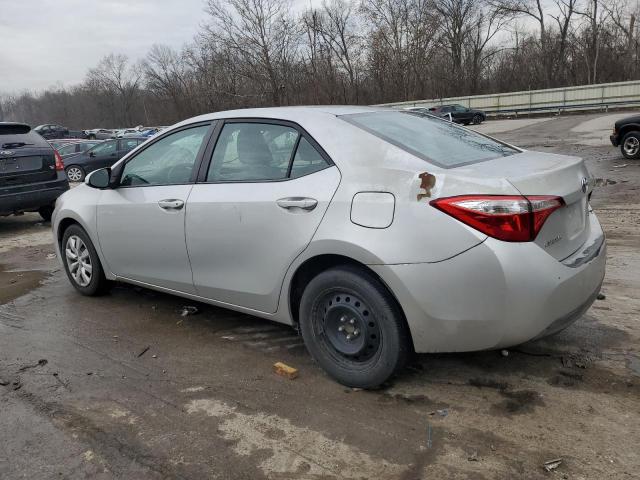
pixel 106 148
pixel 252 152
pixel 432 139
pixel 168 161
pixel 67 149
pixel 128 144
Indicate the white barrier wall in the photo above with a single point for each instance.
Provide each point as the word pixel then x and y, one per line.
pixel 603 95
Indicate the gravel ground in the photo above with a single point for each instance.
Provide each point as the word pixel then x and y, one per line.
pixel 122 386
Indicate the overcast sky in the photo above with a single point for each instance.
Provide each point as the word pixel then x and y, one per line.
pixel 45 42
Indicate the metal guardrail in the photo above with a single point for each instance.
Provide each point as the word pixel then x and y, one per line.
pixel 584 97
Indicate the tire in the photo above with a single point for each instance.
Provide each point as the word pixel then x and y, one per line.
pixel 630 145
pixel 477 119
pixel 76 242
pixel 75 173
pixel 349 301
pixel 46 212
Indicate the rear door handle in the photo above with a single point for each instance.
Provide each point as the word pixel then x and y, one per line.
pixel 293 203
pixel 171 204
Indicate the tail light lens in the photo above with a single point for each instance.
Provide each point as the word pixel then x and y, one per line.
pixel 511 218
pixel 59 162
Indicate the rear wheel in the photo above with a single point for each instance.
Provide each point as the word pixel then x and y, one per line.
pixel 630 146
pixel 75 173
pixel 46 212
pixel 353 328
pixel 81 262
pixel 477 119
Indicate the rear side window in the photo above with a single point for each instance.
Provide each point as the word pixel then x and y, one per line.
pixel 437 141
pixel 307 160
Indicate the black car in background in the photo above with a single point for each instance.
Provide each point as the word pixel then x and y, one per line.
pixel 67 150
pixel 102 155
pixel 52 131
pixel 31 172
pixel 460 114
pixel 626 135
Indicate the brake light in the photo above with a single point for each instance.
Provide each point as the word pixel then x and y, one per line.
pixel 511 218
pixel 59 162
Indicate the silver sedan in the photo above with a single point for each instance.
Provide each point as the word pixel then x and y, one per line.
pixel 376 232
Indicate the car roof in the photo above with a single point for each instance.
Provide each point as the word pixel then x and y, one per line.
pixel 294 114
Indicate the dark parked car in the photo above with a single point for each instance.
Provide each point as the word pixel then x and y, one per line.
pixel 460 114
pixel 52 131
pixel 67 150
pixel 31 172
pixel 102 155
pixel 626 135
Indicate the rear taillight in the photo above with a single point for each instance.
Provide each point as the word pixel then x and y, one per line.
pixel 511 218
pixel 59 162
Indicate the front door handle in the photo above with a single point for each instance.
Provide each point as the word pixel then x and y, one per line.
pixel 171 204
pixel 293 203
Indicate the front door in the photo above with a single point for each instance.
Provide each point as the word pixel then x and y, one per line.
pixel 265 193
pixel 141 222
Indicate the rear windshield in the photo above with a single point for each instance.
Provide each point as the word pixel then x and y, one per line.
pixel 437 141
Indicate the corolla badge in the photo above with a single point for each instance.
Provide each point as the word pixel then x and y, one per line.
pixel 6 152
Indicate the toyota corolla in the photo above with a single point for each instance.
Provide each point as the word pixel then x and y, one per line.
pixel 375 232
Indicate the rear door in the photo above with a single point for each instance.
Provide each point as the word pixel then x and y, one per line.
pixel 257 207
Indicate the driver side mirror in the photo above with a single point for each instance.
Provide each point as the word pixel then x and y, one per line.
pixel 92 154
pixel 99 179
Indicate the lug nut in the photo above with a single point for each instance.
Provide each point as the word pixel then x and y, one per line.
pixel 356 332
pixel 341 328
pixel 352 321
pixel 349 337
pixel 343 319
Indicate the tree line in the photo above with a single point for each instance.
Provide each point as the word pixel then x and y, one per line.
pixel 262 53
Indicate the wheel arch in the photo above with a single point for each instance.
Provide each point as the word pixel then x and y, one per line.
pixel 318 263
pixel 64 220
pixel 630 127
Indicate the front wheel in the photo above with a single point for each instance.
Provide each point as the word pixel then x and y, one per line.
pixel 75 173
pixel 81 262
pixel 353 327
pixel 630 146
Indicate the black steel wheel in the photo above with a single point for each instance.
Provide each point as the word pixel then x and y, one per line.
pixel 353 327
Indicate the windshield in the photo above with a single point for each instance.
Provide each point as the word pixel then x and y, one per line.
pixel 437 141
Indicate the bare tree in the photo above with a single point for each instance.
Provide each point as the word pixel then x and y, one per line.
pixel 119 82
pixel 259 32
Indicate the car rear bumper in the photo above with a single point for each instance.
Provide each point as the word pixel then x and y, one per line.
pixel 496 294
pixel 30 197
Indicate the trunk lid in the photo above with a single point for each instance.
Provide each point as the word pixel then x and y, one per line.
pixel 536 173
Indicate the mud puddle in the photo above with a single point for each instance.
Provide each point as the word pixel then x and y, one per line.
pixel 14 284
